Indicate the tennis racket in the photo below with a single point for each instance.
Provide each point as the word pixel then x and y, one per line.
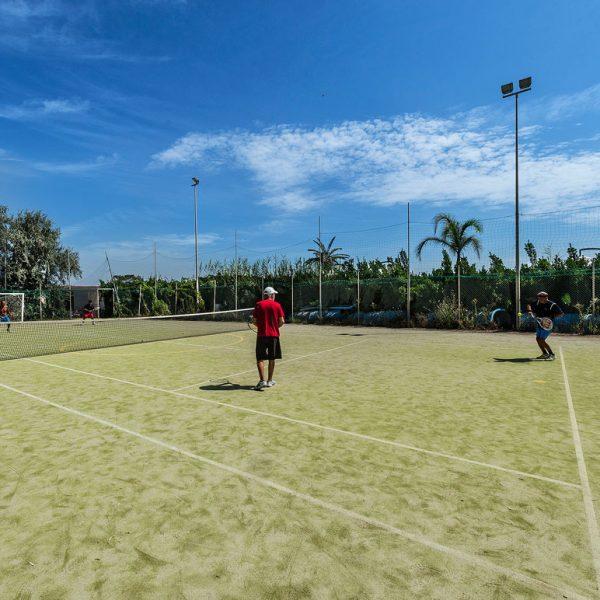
pixel 251 325
pixel 545 323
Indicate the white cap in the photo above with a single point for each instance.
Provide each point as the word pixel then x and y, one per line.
pixel 269 291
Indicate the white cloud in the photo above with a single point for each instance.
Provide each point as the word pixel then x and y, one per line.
pixel 74 168
pixel 388 161
pixel 22 9
pixel 567 105
pixel 41 108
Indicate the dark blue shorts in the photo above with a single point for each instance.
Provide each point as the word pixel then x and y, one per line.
pixel 542 334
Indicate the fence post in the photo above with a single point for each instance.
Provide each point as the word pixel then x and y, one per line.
pixel 292 315
pixel 408 282
pixel 357 292
pixel 175 311
pixel 140 302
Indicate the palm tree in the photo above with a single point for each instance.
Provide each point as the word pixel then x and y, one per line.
pixel 326 255
pixel 454 236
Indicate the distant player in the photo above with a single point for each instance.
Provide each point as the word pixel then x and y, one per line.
pixel 5 315
pixel 268 317
pixel 88 312
pixel 544 308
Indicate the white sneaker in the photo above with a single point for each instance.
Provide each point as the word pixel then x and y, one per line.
pixel 270 383
pixel 261 385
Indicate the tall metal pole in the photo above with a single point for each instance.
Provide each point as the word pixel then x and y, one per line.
pixel 507 92
pixel 236 270
pixel 155 271
pixel 112 279
pixel 292 315
pixel 357 291
pixel 69 280
pixel 517 227
pixel 195 183
pixel 408 262
pixel 4 226
pixel 594 285
pixel 320 273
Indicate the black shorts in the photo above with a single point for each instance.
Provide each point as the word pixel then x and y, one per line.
pixel 268 348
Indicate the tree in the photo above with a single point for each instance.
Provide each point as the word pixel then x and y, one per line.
pixel 531 254
pixel 328 256
pixel 456 238
pixel 496 264
pixel 33 253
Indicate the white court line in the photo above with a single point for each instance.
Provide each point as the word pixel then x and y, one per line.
pixel 317 426
pixel 531 582
pixel 588 499
pixel 288 360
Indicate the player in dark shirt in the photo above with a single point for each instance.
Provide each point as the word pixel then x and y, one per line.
pixel 88 312
pixel 544 308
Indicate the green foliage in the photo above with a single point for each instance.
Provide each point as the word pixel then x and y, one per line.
pixel 31 249
pixel 160 307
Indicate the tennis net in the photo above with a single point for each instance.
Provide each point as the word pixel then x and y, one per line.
pixel 36 338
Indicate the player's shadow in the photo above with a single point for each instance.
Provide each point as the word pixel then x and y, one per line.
pixel 352 334
pixel 515 360
pixel 227 386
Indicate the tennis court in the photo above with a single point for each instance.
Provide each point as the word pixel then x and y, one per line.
pixel 384 464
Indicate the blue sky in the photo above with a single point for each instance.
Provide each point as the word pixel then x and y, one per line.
pixel 291 110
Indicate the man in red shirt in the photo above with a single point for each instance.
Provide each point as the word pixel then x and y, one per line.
pixel 268 317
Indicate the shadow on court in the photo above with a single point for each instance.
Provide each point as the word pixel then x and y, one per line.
pixel 516 360
pixel 226 387
pixel 352 334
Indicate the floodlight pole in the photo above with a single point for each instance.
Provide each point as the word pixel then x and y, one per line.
pixel 195 182
pixel 517 224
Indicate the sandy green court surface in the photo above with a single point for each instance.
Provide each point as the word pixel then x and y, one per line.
pixel 384 464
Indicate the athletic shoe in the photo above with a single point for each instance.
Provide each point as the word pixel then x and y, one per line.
pixel 261 385
pixel 550 357
pixel 542 357
pixel 270 383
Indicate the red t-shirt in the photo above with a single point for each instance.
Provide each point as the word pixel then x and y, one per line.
pixel 267 313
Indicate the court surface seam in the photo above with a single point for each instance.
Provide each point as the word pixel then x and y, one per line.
pixel 522 578
pixel 588 498
pixel 319 426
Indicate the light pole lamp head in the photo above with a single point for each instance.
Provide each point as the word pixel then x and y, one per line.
pixel 507 88
pixel 195 181
pixel 525 83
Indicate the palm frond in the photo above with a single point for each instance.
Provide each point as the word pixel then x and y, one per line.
pixel 474 242
pixel 432 239
pixel 474 223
